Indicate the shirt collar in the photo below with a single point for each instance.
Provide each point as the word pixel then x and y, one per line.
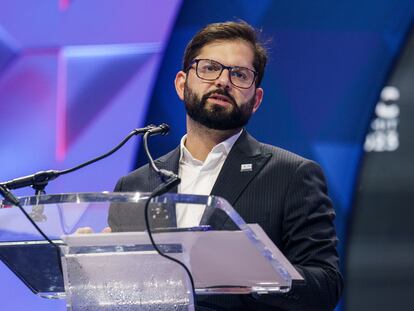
pixel 224 147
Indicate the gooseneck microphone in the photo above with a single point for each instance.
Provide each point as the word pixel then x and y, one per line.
pixel 168 181
pixel 168 178
pixel 40 180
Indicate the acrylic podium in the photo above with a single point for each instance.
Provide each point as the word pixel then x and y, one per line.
pixel 121 270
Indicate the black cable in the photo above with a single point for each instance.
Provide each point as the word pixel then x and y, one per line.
pixel 170 180
pixel 147 224
pixel 165 175
pixel 12 199
pixel 151 160
pixel 123 142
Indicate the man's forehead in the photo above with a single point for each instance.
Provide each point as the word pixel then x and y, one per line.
pixel 229 52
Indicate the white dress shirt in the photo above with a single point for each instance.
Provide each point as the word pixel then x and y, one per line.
pixel 198 177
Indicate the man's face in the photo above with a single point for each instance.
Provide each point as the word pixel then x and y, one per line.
pixel 220 116
pixel 219 104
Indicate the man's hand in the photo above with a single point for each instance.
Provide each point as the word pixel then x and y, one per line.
pixel 86 230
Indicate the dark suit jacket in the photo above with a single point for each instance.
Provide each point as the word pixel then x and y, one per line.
pixel 287 195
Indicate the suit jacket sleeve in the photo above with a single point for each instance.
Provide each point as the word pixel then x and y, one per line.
pixel 309 241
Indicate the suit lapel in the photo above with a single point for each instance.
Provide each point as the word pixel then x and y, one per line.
pixel 243 163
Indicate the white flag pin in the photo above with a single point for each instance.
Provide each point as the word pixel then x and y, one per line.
pixel 246 167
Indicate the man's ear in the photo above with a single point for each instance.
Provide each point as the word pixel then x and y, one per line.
pixel 258 99
pixel 179 83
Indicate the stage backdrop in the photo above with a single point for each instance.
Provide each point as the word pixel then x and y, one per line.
pixel 77 76
pixel 328 64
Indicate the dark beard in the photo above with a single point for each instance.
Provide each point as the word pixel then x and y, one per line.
pixel 217 117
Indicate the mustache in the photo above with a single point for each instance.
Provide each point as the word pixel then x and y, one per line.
pixel 219 92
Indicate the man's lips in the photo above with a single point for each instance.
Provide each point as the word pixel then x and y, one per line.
pixel 221 99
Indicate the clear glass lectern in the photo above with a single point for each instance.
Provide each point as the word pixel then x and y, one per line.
pixel 120 270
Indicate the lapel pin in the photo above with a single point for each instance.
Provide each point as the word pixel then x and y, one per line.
pixel 246 167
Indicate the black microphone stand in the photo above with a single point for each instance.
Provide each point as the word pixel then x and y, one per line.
pixel 40 180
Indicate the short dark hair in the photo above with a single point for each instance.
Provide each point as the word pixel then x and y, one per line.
pixel 228 31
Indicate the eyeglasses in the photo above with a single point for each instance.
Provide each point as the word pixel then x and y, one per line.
pixel 211 70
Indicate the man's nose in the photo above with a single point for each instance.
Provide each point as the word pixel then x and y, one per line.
pixel 223 80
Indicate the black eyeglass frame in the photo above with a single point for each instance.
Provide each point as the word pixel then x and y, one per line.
pixel 229 68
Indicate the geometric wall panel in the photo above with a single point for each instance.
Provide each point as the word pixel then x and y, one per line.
pixel 89 79
pixel 75 79
pixel 8 49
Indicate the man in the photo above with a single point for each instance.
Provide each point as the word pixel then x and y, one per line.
pixel 286 194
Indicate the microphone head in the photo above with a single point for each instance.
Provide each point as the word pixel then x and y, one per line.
pixel 165 128
pixel 161 129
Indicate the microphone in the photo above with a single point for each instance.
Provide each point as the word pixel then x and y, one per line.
pixel 161 129
pixel 40 179
pixel 169 179
pixel 143 130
